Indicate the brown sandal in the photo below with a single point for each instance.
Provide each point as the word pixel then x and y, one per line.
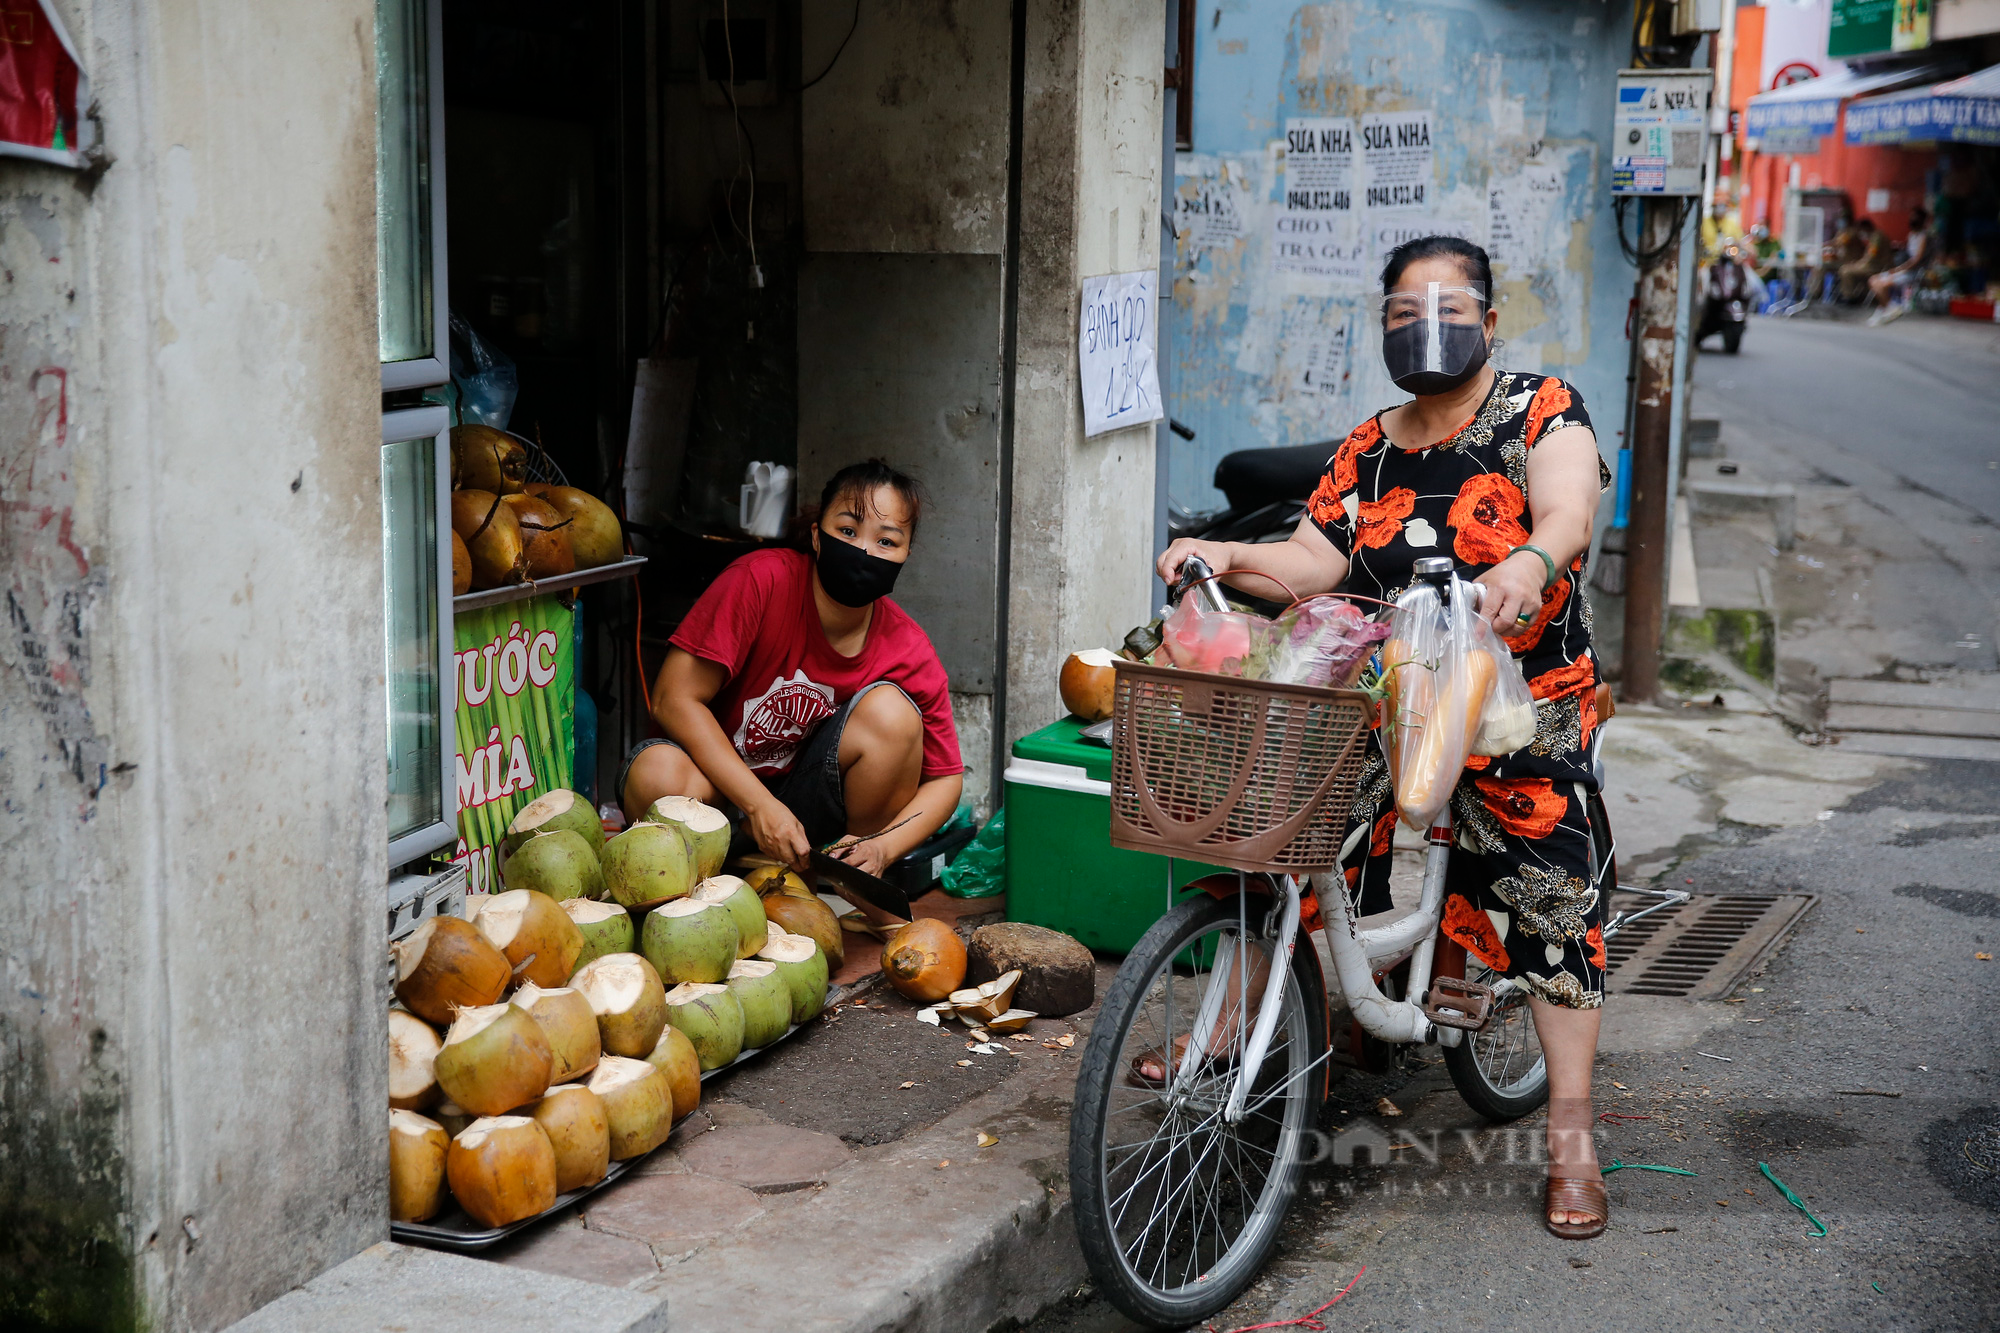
pixel 1567 1195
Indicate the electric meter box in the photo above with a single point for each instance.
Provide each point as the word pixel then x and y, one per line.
pixel 1659 131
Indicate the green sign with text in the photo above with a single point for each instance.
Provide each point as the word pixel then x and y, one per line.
pixel 516 684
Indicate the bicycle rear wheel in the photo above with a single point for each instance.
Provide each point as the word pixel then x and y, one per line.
pixel 1176 1208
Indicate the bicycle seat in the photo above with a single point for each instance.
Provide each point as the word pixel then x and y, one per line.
pixel 1253 478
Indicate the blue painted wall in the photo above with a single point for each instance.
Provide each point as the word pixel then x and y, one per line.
pixel 1520 97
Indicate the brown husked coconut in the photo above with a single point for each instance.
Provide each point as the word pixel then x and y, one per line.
pixel 485 459
pixel 593 532
pixel 492 536
pixel 811 918
pixel 573 1118
pixel 546 535
pixel 639 1103
pixel 452 1116
pixel 461 567
pixel 925 960
pixel 445 965
pixel 630 1002
pixel 413 1047
pixel 502 1170
pixel 1088 682
pixel 417 1147
pixel 495 1058
pixel 675 1057
pixel 567 1020
pixel 767 880
pixel 539 940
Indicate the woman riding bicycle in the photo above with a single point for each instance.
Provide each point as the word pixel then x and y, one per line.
pixel 1499 470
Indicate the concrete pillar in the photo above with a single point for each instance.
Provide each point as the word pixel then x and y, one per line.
pixel 191 676
pixel 1082 509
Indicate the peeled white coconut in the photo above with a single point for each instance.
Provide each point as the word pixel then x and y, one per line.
pixel 606 928
pixel 744 906
pixel 638 1102
pixel 987 1001
pixel 766 1001
pixel 559 809
pixel 561 864
pixel 573 1118
pixel 494 1059
pixel 802 963
pixel 705 828
pixel 712 1019
pixel 413 1048
pixel 690 940
pixel 1088 682
pixel 674 1056
pixel 569 1023
pixel 537 937
pixel 502 1170
pixel 630 1003
pixel 445 965
pixel 648 863
pixel 417 1147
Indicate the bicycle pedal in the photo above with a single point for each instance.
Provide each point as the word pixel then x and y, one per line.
pixel 1456 1003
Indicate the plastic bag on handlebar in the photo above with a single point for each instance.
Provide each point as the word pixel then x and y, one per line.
pixel 1438 678
pixel 1195 638
pixel 1321 641
pixel 1507 722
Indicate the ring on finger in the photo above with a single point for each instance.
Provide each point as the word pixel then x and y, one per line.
pixel 1525 617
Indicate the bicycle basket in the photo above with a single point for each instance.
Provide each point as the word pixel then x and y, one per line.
pixel 1242 773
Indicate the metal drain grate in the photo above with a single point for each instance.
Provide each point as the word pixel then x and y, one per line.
pixel 1698 950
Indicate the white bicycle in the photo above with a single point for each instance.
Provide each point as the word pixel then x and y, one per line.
pixel 1206 1068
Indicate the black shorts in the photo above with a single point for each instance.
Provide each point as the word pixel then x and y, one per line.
pixel 812 789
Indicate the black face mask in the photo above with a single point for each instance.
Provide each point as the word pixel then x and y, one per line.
pixel 850 575
pixel 1461 352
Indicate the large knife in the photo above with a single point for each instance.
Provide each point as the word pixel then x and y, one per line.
pixel 875 891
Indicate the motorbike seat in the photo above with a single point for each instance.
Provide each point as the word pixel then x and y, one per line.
pixel 1253 478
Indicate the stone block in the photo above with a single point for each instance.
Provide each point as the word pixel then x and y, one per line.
pixel 673 1214
pixel 1058 974
pixel 768 1159
pixel 390 1288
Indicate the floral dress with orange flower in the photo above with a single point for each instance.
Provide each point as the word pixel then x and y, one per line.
pixel 1518 895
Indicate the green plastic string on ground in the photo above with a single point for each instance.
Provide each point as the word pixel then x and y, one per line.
pixel 1793 1199
pixel 1617 1165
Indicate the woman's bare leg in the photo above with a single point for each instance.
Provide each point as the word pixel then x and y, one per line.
pixel 662 770
pixel 881 758
pixel 1569 1044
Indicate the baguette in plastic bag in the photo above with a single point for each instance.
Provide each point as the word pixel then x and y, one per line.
pixel 1438 683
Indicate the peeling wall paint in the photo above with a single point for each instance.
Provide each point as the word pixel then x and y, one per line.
pixel 1520 101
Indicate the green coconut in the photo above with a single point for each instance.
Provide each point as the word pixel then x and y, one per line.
pixel 559 810
pixel 495 1058
pixel 743 904
pixel 561 864
pixel 711 1017
pixel 705 828
pixel 802 963
pixel 626 995
pixel 605 927
pixel 648 863
pixel 766 999
pixel 686 940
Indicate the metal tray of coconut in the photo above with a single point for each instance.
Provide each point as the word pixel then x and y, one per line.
pixel 455 1230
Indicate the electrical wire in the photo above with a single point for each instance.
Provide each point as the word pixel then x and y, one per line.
pixel 852 24
pixel 1646 258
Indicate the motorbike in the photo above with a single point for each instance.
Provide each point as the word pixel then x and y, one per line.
pixel 1726 308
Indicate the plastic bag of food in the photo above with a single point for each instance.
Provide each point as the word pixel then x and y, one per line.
pixel 1508 720
pixel 1321 641
pixel 1195 638
pixel 1438 682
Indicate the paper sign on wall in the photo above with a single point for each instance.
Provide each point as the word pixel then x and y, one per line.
pixel 1116 351
pixel 1396 160
pixel 1315 232
pixel 1520 208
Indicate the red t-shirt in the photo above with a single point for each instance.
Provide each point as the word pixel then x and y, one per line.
pixel 759 622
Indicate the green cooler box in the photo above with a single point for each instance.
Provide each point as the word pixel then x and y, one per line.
pixel 1062 871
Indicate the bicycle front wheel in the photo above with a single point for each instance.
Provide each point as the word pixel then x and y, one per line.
pixel 1177 1208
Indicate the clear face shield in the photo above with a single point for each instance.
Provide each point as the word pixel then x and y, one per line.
pixel 1434 340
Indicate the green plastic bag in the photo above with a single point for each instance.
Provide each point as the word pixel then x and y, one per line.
pixel 981 869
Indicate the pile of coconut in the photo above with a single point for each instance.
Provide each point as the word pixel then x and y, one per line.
pixel 555 1032
pixel 507 529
